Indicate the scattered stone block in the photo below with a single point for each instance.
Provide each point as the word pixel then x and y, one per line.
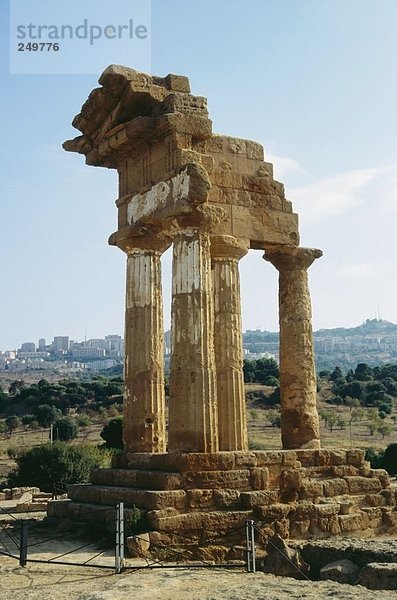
pixel 379 576
pixel 283 560
pixel 138 545
pixel 341 571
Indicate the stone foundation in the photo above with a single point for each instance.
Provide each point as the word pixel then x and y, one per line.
pixel 298 494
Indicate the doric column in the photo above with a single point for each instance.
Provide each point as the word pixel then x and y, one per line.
pixel 299 417
pixel 226 251
pixel 192 406
pixel 144 403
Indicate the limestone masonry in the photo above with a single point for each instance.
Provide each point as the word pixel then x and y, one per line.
pixel 212 197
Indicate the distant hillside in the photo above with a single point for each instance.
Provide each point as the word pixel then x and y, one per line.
pixel 373 342
pixel 370 326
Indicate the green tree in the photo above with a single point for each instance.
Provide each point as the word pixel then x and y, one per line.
pixel 65 429
pixel 352 402
pixel 46 414
pixel 384 429
pixel 274 418
pixel 12 422
pixel 112 433
pixel 363 372
pixel 336 375
pixel 16 387
pixel 390 459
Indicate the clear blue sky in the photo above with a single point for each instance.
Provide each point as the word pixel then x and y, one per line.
pixel 313 80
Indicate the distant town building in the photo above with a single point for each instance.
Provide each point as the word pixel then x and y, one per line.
pixel 28 347
pixel 60 344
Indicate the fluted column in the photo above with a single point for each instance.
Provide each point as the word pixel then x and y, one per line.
pixel 299 417
pixel 144 403
pixel 192 406
pixel 226 252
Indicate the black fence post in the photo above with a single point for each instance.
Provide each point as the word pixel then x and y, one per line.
pixel 250 545
pixel 23 543
pixel 119 548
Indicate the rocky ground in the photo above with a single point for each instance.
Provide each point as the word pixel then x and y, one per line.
pixel 42 582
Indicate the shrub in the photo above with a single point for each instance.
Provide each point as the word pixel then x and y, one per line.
pixel 52 467
pixel 112 433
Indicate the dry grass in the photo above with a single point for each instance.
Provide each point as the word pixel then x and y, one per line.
pixel 262 435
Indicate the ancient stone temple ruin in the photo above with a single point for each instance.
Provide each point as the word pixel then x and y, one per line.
pixel 212 198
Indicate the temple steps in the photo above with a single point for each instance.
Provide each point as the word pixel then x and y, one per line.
pixel 299 494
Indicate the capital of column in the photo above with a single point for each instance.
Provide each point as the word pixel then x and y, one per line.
pixel 227 247
pixel 291 257
pixel 149 244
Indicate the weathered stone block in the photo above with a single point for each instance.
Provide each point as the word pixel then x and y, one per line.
pixel 289 458
pixel 304 510
pixel 323 458
pixel 245 459
pixel 334 525
pixel 358 484
pixel 258 498
pixel 259 478
pixel 282 528
pixel 227 498
pixel 389 517
pixel 355 457
pixel 374 499
pixel 214 521
pixel 138 460
pixel 200 498
pixel 194 461
pixel 379 576
pixel 353 522
pixel 306 457
pixel 299 529
pixel 335 487
pixel 328 509
pixel 238 479
pixel 341 571
pixel 311 490
pixel 291 480
pixel 346 507
pixel 383 477
pixel 102 476
pixel 138 545
pixel 344 471
pixel 272 512
pixel 338 457
pixel 157 480
pixel 389 497
pixel 268 457
pixel 84 492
